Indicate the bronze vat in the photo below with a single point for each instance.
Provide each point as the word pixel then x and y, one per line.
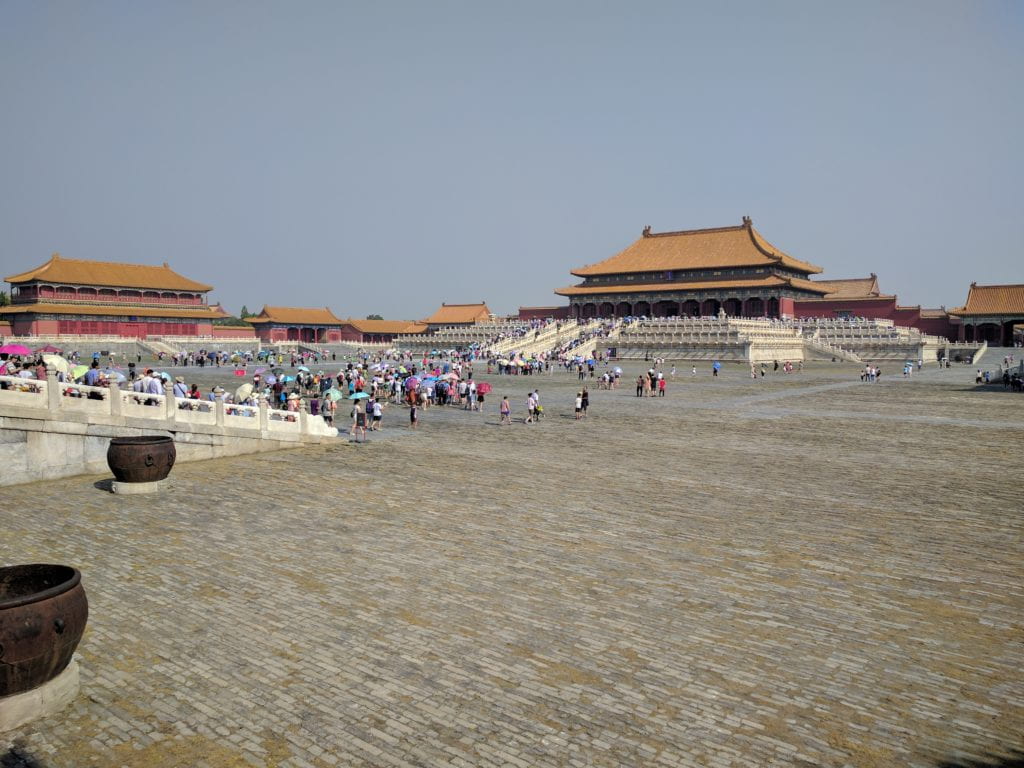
pixel 144 459
pixel 43 610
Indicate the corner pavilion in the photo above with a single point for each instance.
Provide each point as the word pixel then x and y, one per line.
pixel 990 313
pixel 694 272
pixel 316 325
pixel 65 297
pixel 457 316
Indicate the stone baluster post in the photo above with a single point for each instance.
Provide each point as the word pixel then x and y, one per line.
pixel 218 411
pixel 114 396
pixel 303 418
pixel 170 404
pixel 53 393
pixel 264 413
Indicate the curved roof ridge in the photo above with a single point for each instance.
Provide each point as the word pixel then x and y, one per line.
pixel 104 278
pixel 709 230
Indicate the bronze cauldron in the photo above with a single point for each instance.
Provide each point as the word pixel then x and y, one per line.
pixel 43 611
pixel 144 459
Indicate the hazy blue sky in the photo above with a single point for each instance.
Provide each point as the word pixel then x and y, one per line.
pixel 388 156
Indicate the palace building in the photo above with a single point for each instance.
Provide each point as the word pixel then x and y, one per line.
pixel 458 316
pixel 316 325
pixel 694 272
pixel 77 297
pixel 377 331
pixel 991 313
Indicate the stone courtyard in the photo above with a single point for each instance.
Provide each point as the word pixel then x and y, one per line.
pixel 802 570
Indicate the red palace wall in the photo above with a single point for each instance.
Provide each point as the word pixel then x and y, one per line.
pixel 234 332
pixel 542 313
pixel 301 334
pixel 26 326
pixel 878 309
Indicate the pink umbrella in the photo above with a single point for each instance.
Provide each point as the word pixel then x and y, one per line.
pixel 15 349
pixel 411 383
pixel 483 387
pixel 49 349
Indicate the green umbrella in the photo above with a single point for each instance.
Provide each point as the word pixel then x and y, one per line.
pixel 334 393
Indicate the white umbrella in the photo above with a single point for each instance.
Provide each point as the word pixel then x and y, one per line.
pixel 243 392
pixel 57 362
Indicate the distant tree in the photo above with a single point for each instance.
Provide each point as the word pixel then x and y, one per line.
pixel 245 312
pixel 231 320
pixel 374 317
pixel 4 299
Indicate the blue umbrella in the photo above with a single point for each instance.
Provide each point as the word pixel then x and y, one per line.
pixel 358 396
pixel 717 365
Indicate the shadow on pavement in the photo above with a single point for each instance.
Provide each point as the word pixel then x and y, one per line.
pixel 1015 759
pixel 17 758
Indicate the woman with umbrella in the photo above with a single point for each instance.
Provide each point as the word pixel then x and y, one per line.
pixel 481 389
pixel 358 415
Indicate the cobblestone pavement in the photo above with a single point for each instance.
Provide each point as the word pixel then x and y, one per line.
pixel 797 571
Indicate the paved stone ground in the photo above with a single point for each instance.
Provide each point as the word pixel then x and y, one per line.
pixel 797 571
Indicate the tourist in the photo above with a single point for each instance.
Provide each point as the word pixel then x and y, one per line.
pixel 640 386
pixel 531 408
pixel 327 409
pixel 378 415
pixel 579 405
pixel 414 417
pixel 180 389
pixel 358 420
pixel 693 371
pixel 506 411
pixel 661 387
pixel 585 401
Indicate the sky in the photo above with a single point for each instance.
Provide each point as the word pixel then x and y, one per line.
pixel 384 157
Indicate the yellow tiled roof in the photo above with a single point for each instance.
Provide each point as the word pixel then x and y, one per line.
pixel 459 313
pixel 295 316
pixel 768 281
pixel 108 273
pixel 202 312
pixel 385 326
pixel 993 300
pixel 741 246
pixel 858 287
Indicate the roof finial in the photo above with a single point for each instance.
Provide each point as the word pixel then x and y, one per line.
pixel 55 256
pixel 647 231
pixel 166 265
pixel 746 221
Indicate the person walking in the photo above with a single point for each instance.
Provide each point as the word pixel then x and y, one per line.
pixel 585 401
pixel 506 411
pixel 327 409
pixel 579 405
